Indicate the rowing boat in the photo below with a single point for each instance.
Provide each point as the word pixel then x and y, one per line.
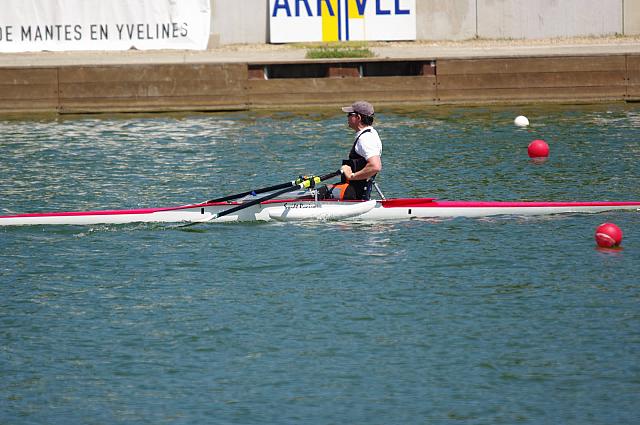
pixel 300 209
pixel 279 204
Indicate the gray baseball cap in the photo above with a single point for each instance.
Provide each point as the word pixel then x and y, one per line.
pixel 361 107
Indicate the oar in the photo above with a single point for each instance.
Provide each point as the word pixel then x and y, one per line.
pixel 290 184
pixel 304 184
pixel 301 183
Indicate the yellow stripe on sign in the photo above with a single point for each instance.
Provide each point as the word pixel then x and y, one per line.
pixel 329 23
pixel 353 10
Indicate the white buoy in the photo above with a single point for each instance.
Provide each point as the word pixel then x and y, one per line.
pixel 521 121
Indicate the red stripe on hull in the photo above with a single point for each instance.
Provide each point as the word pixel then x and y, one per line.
pixel 100 212
pixel 390 203
pixel 434 203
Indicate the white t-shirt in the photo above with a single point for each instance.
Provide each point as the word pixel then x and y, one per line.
pixel 369 144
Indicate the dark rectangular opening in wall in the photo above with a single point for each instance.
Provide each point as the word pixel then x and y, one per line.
pixel 354 69
pixel 305 70
pixel 391 69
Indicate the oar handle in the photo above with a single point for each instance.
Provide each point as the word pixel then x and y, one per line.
pixel 305 184
pixel 328 176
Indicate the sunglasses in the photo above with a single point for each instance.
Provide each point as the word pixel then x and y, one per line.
pixel 352 114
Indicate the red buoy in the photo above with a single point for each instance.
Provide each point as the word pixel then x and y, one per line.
pixel 538 149
pixel 608 235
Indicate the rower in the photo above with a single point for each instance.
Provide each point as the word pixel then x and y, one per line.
pixel 364 163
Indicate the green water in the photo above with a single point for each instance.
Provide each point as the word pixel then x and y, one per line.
pixel 471 321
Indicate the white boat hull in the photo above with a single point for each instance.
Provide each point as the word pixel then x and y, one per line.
pixel 296 210
pixel 320 211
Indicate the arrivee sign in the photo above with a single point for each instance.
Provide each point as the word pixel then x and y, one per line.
pixel 341 20
pixel 37 25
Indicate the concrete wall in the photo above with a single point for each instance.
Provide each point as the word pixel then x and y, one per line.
pixel 446 20
pixel 247 21
pixel 239 21
pixel 123 88
pixel 525 19
pixel 233 86
pixel 631 17
pixel 531 19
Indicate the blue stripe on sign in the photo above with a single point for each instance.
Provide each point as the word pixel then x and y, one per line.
pixel 339 23
pixel 346 13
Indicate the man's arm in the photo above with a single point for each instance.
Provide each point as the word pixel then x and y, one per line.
pixel 373 167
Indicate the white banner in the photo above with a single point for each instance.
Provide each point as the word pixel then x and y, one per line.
pixel 341 20
pixel 59 25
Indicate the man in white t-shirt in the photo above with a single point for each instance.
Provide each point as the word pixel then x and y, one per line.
pixel 365 156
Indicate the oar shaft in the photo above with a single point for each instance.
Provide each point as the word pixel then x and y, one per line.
pixel 292 184
pixel 256 201
pixel 253 192
pixel 303 185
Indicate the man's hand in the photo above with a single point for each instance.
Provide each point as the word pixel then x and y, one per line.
pixel 346 170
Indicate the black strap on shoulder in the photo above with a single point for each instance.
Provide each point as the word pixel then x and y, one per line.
pixel 368 130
